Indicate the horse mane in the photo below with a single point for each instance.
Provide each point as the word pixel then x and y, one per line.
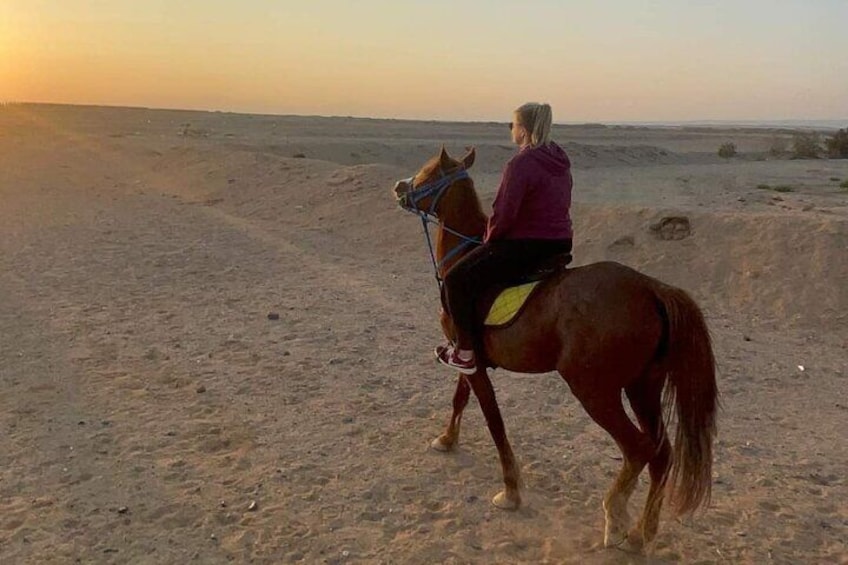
pixel 465 197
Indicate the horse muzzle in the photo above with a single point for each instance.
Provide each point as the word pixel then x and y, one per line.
pixel 402 189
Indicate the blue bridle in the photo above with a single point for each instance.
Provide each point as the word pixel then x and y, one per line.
pixel 436 189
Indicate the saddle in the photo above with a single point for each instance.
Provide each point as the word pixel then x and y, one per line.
pixel 501 305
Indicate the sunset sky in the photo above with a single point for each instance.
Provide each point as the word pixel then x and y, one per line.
pixel 606 61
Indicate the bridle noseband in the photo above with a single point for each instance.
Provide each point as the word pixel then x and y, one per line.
pixel 437 188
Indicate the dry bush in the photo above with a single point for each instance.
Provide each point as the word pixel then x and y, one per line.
pixel 727 150
pixel 778 146
pixel 837 145
pixel 806 145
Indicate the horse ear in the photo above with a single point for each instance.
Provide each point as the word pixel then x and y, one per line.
pixel 468 160
pixel 445 161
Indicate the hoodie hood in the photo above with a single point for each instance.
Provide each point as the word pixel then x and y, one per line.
pixel 551 157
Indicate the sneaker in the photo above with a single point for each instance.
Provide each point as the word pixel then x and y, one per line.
pixel 447 355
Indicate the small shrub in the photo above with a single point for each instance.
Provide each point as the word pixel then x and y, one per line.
pixel 844 184
pixel 806 145
pixel 837 145
pixel 784 188
pixel 777 147
pixel 188 131
pixel 727 150
pixel 835 179
pixel 764 186
pixel 299 156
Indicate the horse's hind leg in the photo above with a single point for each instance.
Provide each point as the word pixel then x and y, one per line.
pixel 646 400
pixel 509 498
pixel 447 440
pixel 637 449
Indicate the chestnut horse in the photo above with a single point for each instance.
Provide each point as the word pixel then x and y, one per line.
pixel 605 328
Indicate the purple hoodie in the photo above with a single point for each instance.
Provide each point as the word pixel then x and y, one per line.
pixel 534 197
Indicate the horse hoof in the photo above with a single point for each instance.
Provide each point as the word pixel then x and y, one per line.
pixel 615 537
pixel 615 541
pixel 442 444
pixel 617 522
pixel 506 502
pixel 635 540
pixel 629 544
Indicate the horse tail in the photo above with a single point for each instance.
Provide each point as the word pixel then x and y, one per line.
pixel 689 365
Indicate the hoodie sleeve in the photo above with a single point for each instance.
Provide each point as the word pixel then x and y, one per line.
pixel 508 200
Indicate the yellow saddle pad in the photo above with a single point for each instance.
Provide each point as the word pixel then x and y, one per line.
pixel 508 303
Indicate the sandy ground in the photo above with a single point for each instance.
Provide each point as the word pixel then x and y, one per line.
pixel 153 413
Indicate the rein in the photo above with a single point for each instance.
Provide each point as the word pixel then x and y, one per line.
pixel 437 188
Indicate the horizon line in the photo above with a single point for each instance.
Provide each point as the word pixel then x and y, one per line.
pixel 826 123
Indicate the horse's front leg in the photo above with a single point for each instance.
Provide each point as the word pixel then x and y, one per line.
pixel 509 498
pixel 447 441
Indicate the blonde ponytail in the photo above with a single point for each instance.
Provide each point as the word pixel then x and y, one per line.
pixel 536 119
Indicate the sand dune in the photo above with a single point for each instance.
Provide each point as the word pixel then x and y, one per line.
pixel 154 413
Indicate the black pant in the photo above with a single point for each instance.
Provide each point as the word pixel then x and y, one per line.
pixel 497 262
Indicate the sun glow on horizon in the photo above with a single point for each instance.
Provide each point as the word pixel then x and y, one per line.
pixel 6 58
pixel 471 62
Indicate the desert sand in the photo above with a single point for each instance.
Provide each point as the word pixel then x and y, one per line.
pixel 153 412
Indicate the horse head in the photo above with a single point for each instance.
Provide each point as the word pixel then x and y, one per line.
pixel 422 192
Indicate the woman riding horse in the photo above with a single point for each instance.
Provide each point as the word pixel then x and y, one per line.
pixel 609 331
pixel 530 223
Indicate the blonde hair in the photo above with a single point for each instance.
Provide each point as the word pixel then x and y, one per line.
pixel 536 119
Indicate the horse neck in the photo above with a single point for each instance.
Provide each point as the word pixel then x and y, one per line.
pixel 461 213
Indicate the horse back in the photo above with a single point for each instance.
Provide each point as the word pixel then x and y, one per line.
pixel 577 314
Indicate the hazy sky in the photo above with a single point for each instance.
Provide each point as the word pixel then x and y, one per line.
pixel 607 60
